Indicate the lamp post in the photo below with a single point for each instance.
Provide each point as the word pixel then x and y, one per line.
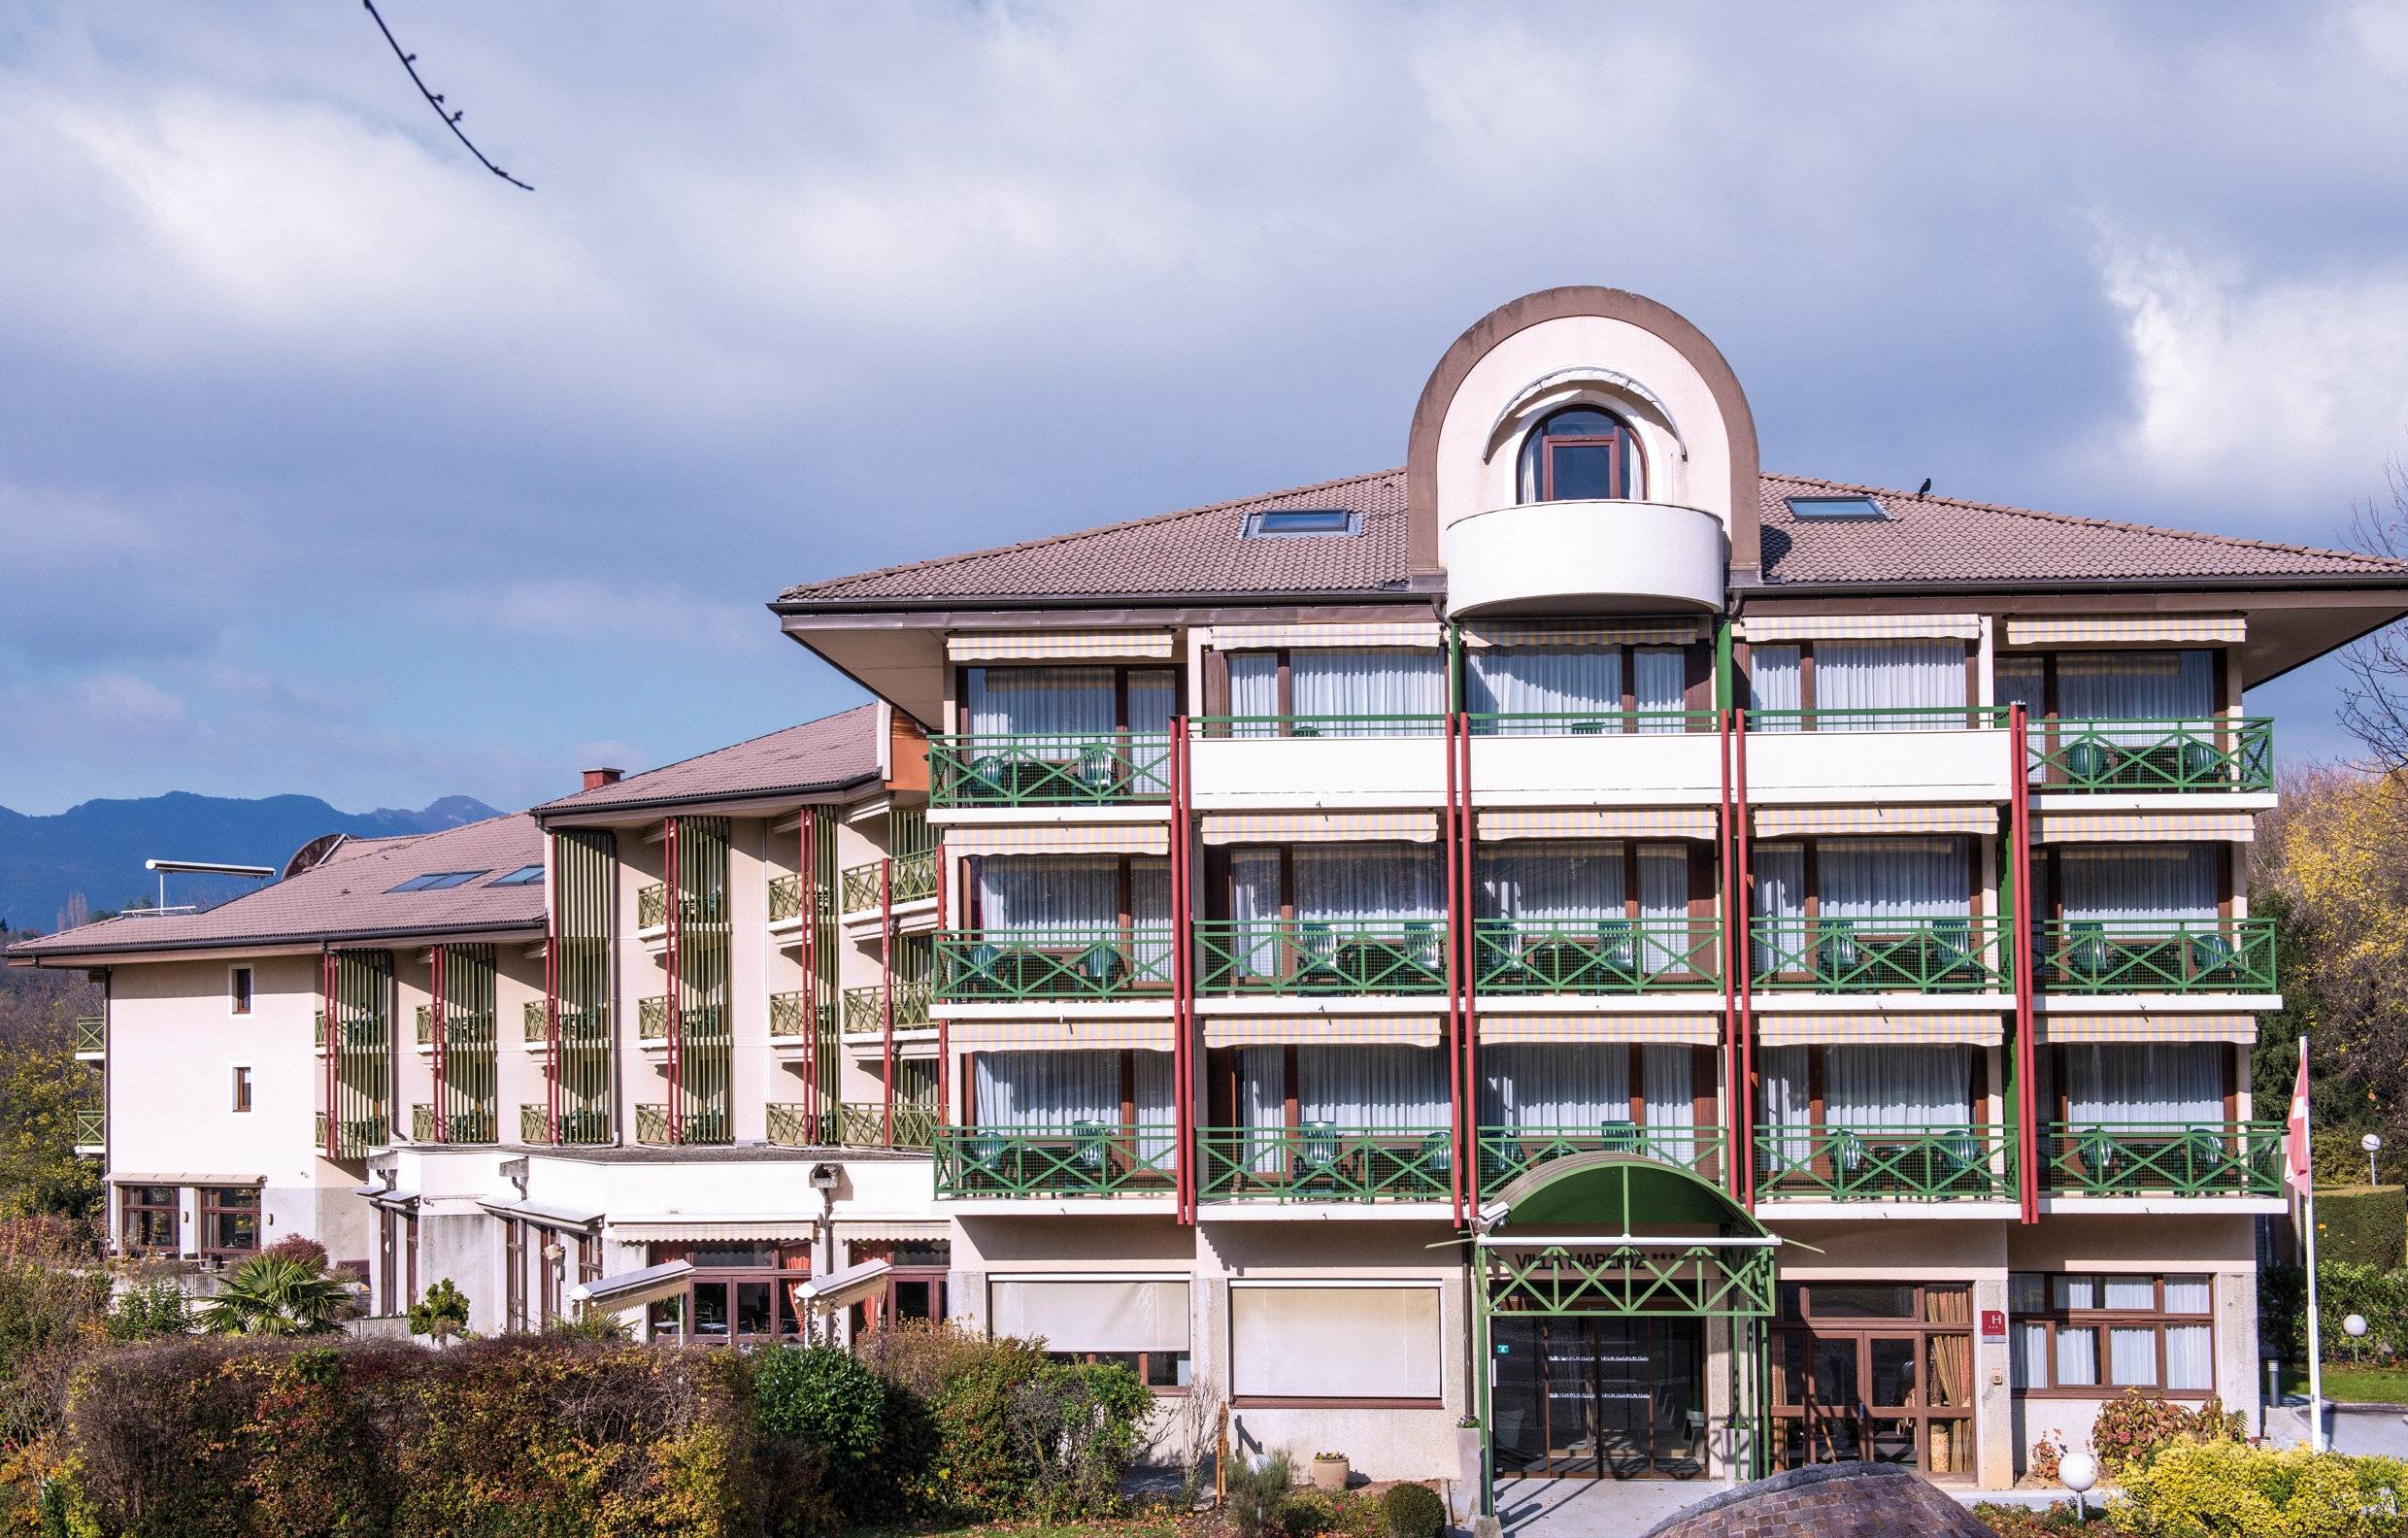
pixel 2373 1145
pixel 2354 1327
pixel 2078 1471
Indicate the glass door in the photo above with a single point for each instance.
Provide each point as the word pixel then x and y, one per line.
pixel 1879 1374
pixel 1574 1397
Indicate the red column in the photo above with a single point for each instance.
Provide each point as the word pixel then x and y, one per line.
pixel 2028 1131
pixel 1183 982
pixel 328 971
pixel 806 889
pixel 442 1131
pixel 944 1026
pixel 674 1003
pixel 552 1010
pixel 1743 1097
pixel 1734 957
pixel 885 989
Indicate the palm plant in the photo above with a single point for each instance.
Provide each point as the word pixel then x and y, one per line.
pixel 274 1296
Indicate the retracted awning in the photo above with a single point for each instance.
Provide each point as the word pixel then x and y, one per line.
pixel 840 1289
pixel 629 1289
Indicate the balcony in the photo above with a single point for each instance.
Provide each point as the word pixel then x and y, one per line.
pixel 704 1025
pixel 1081 962
pixel 1085 1158
pixel 586 1126
pixel 92 1130
pixel 2155 955
pixel 1506 1153
pixel 788 1015
pixel 1331 761
pixel 1582 557
pixel 652 908
pixel 913 880
pixel 866 1007
pixel 535 1024
pixel 2208 756
pixel 786 900
pixel 1946 955
pixel 1320 959
pixel 1597 955
pixel 1321 1162
pixel 1914 754
pixel 1047 769
pixel 1873 1163
pixel 853 1125
pixel 462 1126
pixel 2167 1159
pixel 357 1135
pixel 696 1128
pixel 91 1037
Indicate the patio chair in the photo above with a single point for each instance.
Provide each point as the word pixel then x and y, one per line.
pixel 1317 1150
pixel 1102 967
pixel 1424 949
pixel 2084 956
pixel 981 1162
pixel 1087 1151
pixel 978 969
pixel 1317 941
pixel 1097 770
pixel 1837 956
pixel 1619 1137
pixel 985 781
pixel 1618 945
pixel 1953 958
pixel 2210 955
pixel 2101 1155
pixel 2089 762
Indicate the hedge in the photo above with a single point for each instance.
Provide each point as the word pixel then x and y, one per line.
pixel 2380 1297
pixel 2364 1225
pixel 2194 1489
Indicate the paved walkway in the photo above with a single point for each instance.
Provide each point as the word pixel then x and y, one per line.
pixel 1585 1508
pixel 2382 1431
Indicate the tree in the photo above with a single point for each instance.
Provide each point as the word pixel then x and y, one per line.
pixel 42 1088
pixel 2374 706
pixel 271 1295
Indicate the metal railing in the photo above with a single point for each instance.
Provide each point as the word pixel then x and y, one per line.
pixel 1949 953
pixel 1048 768
pixel 865 1008
pixel 2155 955
pixel 704 1026
pixel 696 1127
pixel 1886 1163
pixel 1077 961
pixel 1508 1152
pixel 1403 724
pixel 2166 1159
pixel 914 879
pixel 1881 718
pixel 535 1023
pixel 464 1127
pixel 92 1128
pixel 651 907
pixel 91 1034
pixel 1601 720
pixel 358 1135
pixel 534 1124
pixel 1324 957
pixel 787 1016
pixel 2203 754
pixel 1081 1158
pixel 1596 955
pixel 1321 1162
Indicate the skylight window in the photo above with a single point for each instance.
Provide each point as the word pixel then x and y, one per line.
pixel 523 876
pixel 1837 509
pixel 1298 522
pixel 439 881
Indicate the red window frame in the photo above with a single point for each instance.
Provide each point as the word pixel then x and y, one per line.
pixel 1618 476
pixel 214 1205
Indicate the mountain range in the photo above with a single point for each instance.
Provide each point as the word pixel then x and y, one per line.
pixel 95 850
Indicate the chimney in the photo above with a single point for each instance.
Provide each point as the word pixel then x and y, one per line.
pixel 596 779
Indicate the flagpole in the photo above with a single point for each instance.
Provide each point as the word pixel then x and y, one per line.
pixel 2307 1197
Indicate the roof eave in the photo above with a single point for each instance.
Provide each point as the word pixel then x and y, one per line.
pixel 2349 581
pixel 569 811
pixel 1411 592
pixel 84 957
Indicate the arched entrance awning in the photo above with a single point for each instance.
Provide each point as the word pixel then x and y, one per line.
pixel 1625 1196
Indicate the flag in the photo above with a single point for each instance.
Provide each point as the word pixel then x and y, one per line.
pixel 2296 1173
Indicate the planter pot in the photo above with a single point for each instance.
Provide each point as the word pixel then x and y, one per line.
pixel 1330 1474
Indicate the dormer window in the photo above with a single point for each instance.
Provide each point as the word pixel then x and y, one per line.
pixel 1581 454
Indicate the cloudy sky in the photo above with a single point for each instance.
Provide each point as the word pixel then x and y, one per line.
pixel 330 463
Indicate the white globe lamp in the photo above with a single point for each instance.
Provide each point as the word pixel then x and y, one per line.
pixel 2078 1471
pixel 2373 1145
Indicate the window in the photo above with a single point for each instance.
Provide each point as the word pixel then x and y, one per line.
pixel 523 876
pixel 2093 1335
pixel 439 881
pixel 238 990
pixel 1294 522
pixel 1336 692
pixel 242 1091
pixel 1836 509
pixel 1069 701
pixel 151 1219
pixel 1860 686
pixel 741 1292
pixel 1323 1342
pixel 229 1220
pixel 1581 454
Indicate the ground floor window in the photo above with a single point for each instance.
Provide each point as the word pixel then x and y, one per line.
pixel 229 1220
pixel 1141 1324
pixel 1877 1372
pixel 1310 1343
pixel 2086 1334
pixel 741 1292
pixel 150 1220
pixel 914 1287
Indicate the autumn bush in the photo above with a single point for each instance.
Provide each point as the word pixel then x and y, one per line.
pixel 2133 1428
pixel 2230 1489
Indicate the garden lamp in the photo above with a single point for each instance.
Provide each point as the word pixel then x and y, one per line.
pixel 2354 1327
pixel 2078 1471
pixel 2373 1145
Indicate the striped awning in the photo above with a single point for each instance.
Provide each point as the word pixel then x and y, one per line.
pixel 1021 645
pixel 1325 827
pixel 2143 827
pixel 1878 1029
pixel 2062 1030
pixel 873 1229
pixel 2122 629
pixel 1633 632
pixel 1317 1031
pixel 1690 1030
pixel 670 1230
pixel 1860 627
pixel 1396 633
pixel 1058 838
pixel 1666 822
pixel 1776 821
pixel 1069 1034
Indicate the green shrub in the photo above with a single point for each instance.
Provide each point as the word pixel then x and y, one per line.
pixel 976 1463
pixel 299 1249
pixel 1257 1493
pixel 1079 1425
pixel 442 1311
pixel 820 1396
pixel 2133 1427
pixel 2023 1522
pixel 271 1295
pixel 2363 1226
pixel 1413 1510
pixel 149 1310
pixel 2380 1297
pixel 52 1302
pixel 2210 1489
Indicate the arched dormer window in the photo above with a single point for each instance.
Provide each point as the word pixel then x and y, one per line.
pixel 1578 453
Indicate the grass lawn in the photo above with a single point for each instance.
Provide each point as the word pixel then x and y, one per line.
pixel 2361 1385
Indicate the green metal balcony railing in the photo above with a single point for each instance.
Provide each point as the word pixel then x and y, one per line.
pixel 787 1016
pixel 786 899
pixel 1597 955
pixel 2155 955
pixel 92 1128
pixel 91 1034
pixel 865 1009
pixel 1881 717
pixel 466 1127
pixel 2166 1158
pixel 534 1126
pixel 1319 1162
pixel 914 879
pixel 1048 768
pixel 1079 961
pixel 696 1127
pixel 1936 954
pixel 1321 957
pixel 1878 1163
pixel 1083 1159
pixel 359 1135
pixel 576 1126
pixel 2205 754
pixel 535 1023
pixel 651 907
pixel 1405 724
pixel 852 1123
pixel 1508 1152
pixel 1603 721
pixel 704 1025
pixel 425 1025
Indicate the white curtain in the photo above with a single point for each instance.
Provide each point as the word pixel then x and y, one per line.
pixel 1551 878
pixel 1772 685
pixel 1149 911
pixel 1262 1102
pixel 1024 895
pixel 1789 1105
pixel 1660 681
pixel 1379 1089
pixel 2129 1295
pixel 1779 871
pixel 2136 686
pixel 2190 1357
pixel 1038 1090
pixel 1567 680
pixel 1897 1087
pixel 1050 699
pixel 1894 878
pixel 2132 1357
pixel 1253 693
pixel 2031 1357
pixel 1874 675
pixel 1152 699
pixel 2189 1295
pixel 1370 881
pixel 1155 1115
pixel 1254 907
pixel 2077 1356
pixel 2153 1084
pixel 1667 1085
pixel 1568 1089
pixel 2022 681
pixel 1346 680
pixel 2139 881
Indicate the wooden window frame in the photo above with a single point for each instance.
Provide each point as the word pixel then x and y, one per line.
pixel 1807 704
pixel 212 1206
pixel 1144 1359
pixel 1619 438
pixel 128 1209
pixel 2100 1323
pixel 1119 671
pixel 239 1090
pixel 243 995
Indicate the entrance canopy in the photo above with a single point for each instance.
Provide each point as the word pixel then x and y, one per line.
pixel 1623 1196
pixel 1621 1234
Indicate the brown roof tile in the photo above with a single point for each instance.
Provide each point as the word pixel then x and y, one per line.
pixel 822 754
pixel 350 898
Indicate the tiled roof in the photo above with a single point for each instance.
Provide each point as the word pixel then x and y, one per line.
pixel 822 754
pixel 1200 550
pixel 1931 539
pixel 347 898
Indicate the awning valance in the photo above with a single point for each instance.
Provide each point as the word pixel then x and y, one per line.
pixel 1776 821
pixel 1060 644
pixel 1861 627
pixel 671 1228
pixel 2143 827
pixel 1322 827
pixel 1057 837
pixel 1835 1028
pixel 1690 1030
pixel 1628 632
pixel 631 1289
pixel 1663 822
pixel 1060 1035
pixel 1394 633
pixel 1277 1030
pixel 2230 629
pixel 2061 1030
